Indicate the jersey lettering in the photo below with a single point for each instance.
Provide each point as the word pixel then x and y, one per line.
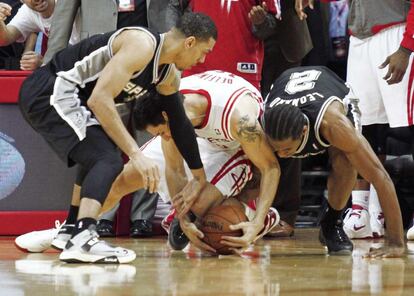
pixel 301 81
pixel 295 102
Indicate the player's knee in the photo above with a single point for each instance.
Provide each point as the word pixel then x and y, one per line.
pixel 112 164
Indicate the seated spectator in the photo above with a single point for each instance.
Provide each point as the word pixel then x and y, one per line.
pixel 10 55
pixel 34 16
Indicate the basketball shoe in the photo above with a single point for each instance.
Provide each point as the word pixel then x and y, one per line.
pixel 271 220
pixel 85 247
pixel 333 236
pixel 63 236
pixel 39 241
pixel 166 222
pixel 377 224
pixel 410 233
pixel 357 223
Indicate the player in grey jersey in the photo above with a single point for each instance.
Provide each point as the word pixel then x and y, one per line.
pixel 70 102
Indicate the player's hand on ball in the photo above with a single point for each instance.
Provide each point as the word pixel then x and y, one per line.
pixel 195 236
pixel 387 251
pixel 250 230
pixel 184 200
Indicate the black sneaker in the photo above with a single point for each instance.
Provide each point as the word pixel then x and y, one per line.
pixel 335 238
pixel 176 237
pixel 140 228
pixel 105 228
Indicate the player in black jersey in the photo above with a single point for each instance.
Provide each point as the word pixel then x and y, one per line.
pixel 310 110
pixel 71 103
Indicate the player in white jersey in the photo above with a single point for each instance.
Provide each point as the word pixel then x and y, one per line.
pixel 225 111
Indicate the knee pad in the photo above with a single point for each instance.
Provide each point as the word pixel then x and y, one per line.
pixel 80 175
pixel 99 178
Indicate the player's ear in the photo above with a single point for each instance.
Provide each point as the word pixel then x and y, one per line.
pixel 305 129
pixel 189 42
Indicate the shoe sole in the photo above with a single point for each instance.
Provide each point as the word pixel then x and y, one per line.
pixel 59 245
pixel 352 235
pixel 29 250
pixel 79 257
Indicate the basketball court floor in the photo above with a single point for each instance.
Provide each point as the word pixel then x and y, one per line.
pixel 294 266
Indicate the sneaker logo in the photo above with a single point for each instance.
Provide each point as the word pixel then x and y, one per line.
pixel 356 228
pixel 111 259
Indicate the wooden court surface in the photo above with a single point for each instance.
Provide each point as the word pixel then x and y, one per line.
pixel 295 266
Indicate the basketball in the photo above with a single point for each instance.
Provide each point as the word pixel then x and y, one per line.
pixel 216 222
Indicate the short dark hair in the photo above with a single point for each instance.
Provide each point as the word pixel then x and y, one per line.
pixel 148 111
pixel 198 25
pixel 284 121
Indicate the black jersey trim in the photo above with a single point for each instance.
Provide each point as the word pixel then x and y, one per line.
pixel 111 40
pixel 321 113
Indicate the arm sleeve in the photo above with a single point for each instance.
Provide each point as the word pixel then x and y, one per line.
pixel 408 39
pixel 182 131
pixel 61 27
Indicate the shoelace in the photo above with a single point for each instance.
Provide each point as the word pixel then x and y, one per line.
pixel 58 225
pixel 342 237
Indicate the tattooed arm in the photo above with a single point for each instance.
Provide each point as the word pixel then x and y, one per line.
pixel 246 129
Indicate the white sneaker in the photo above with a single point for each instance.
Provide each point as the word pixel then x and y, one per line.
pixel 271 220
pixel 356 223
pixel 410 233
pixel 37 241
pixel 63 236
pixel 86 247
pixel 377 224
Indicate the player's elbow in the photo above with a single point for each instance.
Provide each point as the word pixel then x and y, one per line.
pixel 271 169
pixel 92 103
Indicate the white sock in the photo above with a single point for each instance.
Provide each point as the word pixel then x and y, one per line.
pixel 374 205
pixel 361 198
pixel 249 212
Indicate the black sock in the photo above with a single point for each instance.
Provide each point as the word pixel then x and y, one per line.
pixel 72 215
pixel 332 216
pixel 83 224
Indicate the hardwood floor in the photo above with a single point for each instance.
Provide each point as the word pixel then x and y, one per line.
pixel 294 266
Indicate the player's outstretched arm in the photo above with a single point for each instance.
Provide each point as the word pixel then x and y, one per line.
pixel 184 136
pixel 249 133
pixel 340 133
pixel 174 168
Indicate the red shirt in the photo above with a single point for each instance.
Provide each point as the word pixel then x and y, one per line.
pixel 408 40
pixel 237 50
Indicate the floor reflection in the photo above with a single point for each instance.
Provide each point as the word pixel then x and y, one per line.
pixel 296 266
